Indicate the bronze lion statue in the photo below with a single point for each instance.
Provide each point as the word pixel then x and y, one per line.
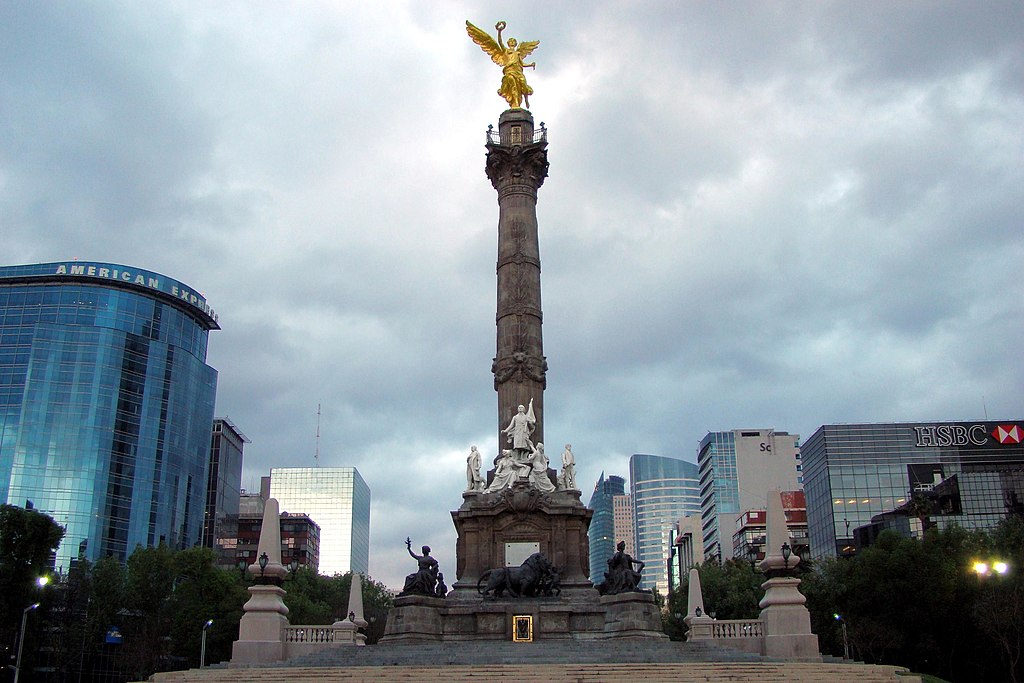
pixel 527 580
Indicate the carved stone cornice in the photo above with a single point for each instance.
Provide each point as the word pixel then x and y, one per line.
pixel 520 367
pixel 520 169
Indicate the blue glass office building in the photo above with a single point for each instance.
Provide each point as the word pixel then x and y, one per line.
pixel 601 533
pixel 664 490
pixel 106 404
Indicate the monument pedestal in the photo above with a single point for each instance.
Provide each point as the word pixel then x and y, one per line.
pixel 261 630
pixel 554 523
pixel 415 618
pixel 521 519
pixel 787 623
pixel 632 615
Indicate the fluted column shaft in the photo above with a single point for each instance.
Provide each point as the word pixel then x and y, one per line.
pixel 516 166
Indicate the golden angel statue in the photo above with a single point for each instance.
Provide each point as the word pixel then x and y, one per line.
pixel 513 82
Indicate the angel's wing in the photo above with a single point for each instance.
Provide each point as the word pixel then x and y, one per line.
pixel 486 43
pixel 526 47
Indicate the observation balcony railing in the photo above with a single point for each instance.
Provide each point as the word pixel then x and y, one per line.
pixel 509 139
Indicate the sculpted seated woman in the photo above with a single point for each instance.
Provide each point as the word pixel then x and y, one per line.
pixel 424 580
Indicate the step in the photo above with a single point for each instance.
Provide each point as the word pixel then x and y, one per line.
pixel 699 672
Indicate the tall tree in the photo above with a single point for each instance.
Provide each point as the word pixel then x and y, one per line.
pixel 28 540
pixel 999 609
pixel 908 602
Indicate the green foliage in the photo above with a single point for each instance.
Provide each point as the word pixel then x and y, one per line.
pixel 918 604
pixel 160 599
pixel 731 591
pixel 316 599
pixel 27 540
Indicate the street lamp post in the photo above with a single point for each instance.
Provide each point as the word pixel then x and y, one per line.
pixel 846 642
pixel 263 562
pixel 21 639
pixel 202 651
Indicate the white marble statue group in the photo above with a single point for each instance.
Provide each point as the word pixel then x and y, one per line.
pixel 525 461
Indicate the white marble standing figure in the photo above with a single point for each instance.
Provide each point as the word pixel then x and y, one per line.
pixel 567 478
pixel 474 482
pixel 539 474
pixel 520 428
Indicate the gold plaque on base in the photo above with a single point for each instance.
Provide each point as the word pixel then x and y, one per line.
pixel 522 628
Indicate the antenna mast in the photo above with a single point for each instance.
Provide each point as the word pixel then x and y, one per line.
pixel 316 455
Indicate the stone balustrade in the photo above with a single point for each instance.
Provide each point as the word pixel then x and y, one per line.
pixel 737 628
pixel 315 634
pixel 300 640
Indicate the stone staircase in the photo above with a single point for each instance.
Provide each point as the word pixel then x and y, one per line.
pixel 548 662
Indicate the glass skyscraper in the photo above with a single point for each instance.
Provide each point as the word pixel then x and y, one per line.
pixel 663 490
pixel 338 500
pixel 601 534
pixel 970 473
pixel 223 486
pixel 106 404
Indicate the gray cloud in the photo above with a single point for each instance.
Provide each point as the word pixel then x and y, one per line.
pixel 759 215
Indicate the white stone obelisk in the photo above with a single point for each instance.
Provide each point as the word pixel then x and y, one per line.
pixel 354 620
pixel 261 631
pixel 696 616
pixel 787 623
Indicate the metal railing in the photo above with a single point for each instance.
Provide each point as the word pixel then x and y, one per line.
pixel 510 139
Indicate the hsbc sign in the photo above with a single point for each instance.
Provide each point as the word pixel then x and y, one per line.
pixel 968 435
pixel 1008 434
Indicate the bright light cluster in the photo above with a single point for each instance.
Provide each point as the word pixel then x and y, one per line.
pixel 984 568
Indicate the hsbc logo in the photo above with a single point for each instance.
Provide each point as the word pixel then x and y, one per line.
pixel 1008 434
pixel 968 435
pixel 951 435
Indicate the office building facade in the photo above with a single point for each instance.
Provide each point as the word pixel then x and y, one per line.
pixel 687 549
pixel 622 517
pixel 338 500
pixel 300 540
pixel 106 403
pixel 750 535
pixel 224 483
pixel 737 470
pixel 663 490
pixel 601 534
pixel 970 473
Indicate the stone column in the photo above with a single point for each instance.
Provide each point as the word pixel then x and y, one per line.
pixel 353 621
pixel 787 623
pixel 696 617
pixel 265 617
pixel 517 164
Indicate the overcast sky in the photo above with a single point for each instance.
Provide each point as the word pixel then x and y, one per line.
pixel 757 215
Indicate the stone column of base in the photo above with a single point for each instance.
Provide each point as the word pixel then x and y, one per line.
pixel 700 627
pixel 632 615
pixel 261 630
pixel 696 617
pixel 347 633
pixel 787 623
pixel 414 618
